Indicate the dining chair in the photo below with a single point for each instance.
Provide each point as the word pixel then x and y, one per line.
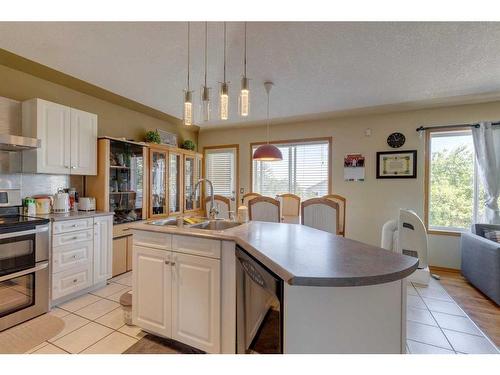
pixel 264 209
pixel 341 201
pixel 249 196
pixel 321 213
pixel 290 207
pixel 221 203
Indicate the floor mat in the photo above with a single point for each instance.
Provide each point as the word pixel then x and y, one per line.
pixel 151 344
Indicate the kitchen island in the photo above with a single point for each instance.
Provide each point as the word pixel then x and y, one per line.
pixel 339 295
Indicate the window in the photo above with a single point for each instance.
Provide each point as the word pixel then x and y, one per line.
pixel 304 170
pixel 220 168
pixel 455 198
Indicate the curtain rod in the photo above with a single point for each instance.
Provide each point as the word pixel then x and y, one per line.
pixel 421 128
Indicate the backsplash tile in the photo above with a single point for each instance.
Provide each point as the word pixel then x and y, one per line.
pixel 33 184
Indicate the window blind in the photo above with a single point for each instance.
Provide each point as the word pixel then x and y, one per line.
pixel 303 171
pixel 220 169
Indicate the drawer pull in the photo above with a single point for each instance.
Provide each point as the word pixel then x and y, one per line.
pixel 75 280
pixel 167 262
pixel 173 263
pixel 74 256
pixel 74 225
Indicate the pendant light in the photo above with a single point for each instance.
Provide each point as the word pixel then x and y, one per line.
pixel 244 99
pixel 224 88
pixel 205 91
pixel 188 95
pixel 267 152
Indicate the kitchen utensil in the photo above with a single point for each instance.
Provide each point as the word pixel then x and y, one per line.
pixel 61 203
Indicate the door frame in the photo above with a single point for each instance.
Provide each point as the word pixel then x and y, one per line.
pixel 237 166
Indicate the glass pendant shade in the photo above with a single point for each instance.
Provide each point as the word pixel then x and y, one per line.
pixel 224 101
pixel 267 152
pixel 205 103
pixel 244 100
pixel 188 108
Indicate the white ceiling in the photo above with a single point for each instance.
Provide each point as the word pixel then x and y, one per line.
pixel 316 67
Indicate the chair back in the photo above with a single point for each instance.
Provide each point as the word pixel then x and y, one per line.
pixel 321 213
pixel 341 201
pixel 290 204
pixel 221 203
pixel 249 196
pixel 264 209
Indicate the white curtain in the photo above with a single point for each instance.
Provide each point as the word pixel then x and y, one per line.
pixel 487 148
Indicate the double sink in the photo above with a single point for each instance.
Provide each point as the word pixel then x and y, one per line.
pixel 219 224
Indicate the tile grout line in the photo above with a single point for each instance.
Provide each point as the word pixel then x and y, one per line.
pixel 435 346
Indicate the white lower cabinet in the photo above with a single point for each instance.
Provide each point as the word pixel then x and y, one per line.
pixel 81 255
pixel 177 296
pixel 196 302
pixel 152 285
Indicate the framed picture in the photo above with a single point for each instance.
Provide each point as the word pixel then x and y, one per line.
pixel 397 164
pixel 167 138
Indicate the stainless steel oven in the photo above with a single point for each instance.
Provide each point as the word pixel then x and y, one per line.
pixel 24 263
pixel 259 307
pixel 24 274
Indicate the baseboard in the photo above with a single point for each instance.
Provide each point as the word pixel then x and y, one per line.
pixel 443 269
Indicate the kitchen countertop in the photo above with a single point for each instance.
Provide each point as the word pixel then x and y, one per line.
pixel 301 255
pixel 74 215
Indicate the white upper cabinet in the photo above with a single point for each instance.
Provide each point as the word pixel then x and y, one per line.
pixel 83 142
pixel 68 139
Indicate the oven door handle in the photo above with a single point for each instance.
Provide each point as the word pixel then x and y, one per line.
pixel 17 234
pixel 39 266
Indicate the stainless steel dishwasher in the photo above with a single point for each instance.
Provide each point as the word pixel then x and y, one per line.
pixel 259 307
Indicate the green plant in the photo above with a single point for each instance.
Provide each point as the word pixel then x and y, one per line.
pixel 188 145
pixel 153 136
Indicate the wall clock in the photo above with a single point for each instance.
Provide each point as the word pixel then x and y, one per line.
pixel 396 140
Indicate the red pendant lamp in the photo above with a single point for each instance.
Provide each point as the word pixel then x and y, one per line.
pixel 267 152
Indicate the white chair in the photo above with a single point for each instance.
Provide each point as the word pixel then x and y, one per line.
pixel 290 207
pixel 221 203
pixel 322 214
pixel 264 209
pixel 248 197
pixel 408 236
pixel 341 201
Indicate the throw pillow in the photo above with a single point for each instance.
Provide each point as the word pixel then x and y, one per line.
pixel 493 235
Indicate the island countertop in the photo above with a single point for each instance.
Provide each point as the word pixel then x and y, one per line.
pixel 301 255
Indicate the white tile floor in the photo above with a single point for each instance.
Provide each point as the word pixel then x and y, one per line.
pixel 437 325
pixel 94 323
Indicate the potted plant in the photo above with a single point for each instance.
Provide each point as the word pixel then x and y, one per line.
pixel 188 145
pixel 153 136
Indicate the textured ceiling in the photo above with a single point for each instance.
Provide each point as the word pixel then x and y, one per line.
pixel 316 67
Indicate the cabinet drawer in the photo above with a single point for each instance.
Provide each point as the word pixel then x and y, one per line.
pixel 72 225
pixel 162 241
pixel 196 246
pixel 71 256
pixel 67 282
pixel 72 238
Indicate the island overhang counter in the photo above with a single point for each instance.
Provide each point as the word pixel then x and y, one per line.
pixel 340 295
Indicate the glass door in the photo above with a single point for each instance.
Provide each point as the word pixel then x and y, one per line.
pixel 174 183
pixel 189 182
pixel 126 179
pixel 158 188
pixel 17 294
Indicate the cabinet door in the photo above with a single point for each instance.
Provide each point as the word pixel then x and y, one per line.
pixel 196 301
pixel 53 129
pixel 174 183
pixel 158 183
pixel 103 248
pixel 83 143
pixel 152 286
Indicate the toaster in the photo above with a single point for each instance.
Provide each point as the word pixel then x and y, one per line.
pixel 86 204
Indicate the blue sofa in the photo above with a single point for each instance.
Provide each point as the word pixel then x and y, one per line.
pixel 481 260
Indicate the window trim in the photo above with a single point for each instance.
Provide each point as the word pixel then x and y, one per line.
pixel 443 232
pixel 237 165
pixel 297 141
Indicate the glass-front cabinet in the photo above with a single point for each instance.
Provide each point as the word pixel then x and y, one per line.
pixel 126 185
pixel 174 182
pixel 158 162
pixel 192 173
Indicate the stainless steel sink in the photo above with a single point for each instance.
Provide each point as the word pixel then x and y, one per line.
pixel 168 221
pixel 215 225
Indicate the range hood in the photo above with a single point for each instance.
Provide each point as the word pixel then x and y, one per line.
pixel 17 143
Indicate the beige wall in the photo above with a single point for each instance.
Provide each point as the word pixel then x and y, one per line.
pixel 114 120
pixel 372 202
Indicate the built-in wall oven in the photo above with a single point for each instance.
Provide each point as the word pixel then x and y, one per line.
pixel 24 266
pixel 259 307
